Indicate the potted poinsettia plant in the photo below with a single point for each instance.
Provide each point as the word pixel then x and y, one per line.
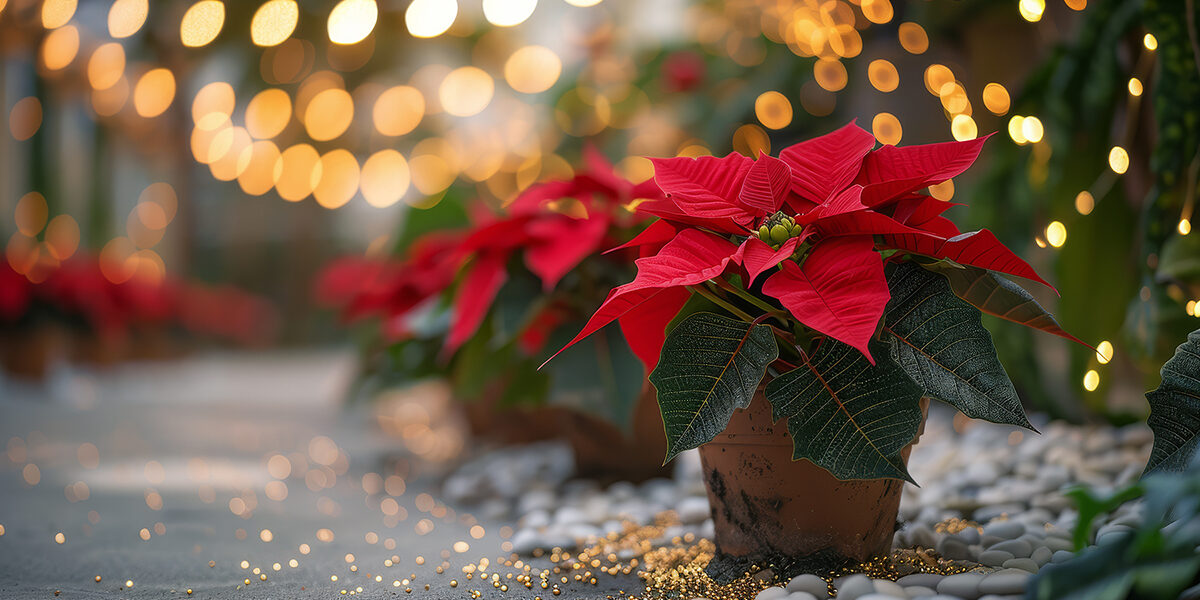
pixel 480 303
pixel 806 306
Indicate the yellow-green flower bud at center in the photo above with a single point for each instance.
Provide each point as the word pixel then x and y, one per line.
pixel 777 229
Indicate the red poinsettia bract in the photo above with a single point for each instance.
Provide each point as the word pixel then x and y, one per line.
pixel 826 202
pixel 551 242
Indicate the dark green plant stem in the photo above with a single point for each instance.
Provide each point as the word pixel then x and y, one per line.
pixel 752 299
pixel 715 299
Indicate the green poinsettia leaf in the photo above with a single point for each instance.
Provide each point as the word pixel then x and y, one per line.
pixel 709 366
pixel 599 376
pixel 1175 409
pixel 941 343
pixel 998 296
pixel 846 415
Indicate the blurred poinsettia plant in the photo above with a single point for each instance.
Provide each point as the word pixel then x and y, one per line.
pixel 481 302
pixel 78 296
pixel 829 275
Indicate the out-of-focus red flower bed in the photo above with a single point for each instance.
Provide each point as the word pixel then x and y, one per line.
pixel 129 318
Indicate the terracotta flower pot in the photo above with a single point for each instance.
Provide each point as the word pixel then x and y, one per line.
pixel 602 450
pixel 794 515
pixel 28 354
pixel 605 451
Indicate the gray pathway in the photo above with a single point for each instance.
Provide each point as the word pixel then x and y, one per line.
pixel 202 473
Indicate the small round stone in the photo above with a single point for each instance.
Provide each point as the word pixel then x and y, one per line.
pixel 1018 548
pixel 1025 564
pixel 855 587
pixel 1008 581
pixel 1061 556
pixel 801 596
pixel 889 588
pixel 1009 530
pixel 963 585
pixel 994 558
pixel 772 593
pixel 809 583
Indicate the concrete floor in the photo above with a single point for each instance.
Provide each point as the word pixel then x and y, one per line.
pixel 152 472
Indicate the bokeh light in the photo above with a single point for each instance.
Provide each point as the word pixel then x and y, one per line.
pixel 31 214
pixel 60 47
pixel 154 92
pixel 963 128
pixel 773 110
pixel 297 171
pixel 268 113
pixel 106 66
pixel 1056 234
pixel 62 237
pixel 274 22
pixel 56 13
pixel 913 38
pixel 126 17
pixel 1032 129
pixel 883 75
pixel 466 91
pixel 830 74
pixel 385 178
pixel 1118 160
pixel 996 98
pixel 259 176
pixel 398 110
pixel 338 180
pixel 886 128
pixel 351 21
pixel 430 18
pixel 1084 203
pixel 1031 10
pixel 25 118
pixel 532 69
pixel 507 13
pixel 202 23
pixel 328 114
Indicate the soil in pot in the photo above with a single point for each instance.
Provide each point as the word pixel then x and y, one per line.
pixel 792 516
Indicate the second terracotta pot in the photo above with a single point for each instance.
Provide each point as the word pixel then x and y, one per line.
pixel 770 509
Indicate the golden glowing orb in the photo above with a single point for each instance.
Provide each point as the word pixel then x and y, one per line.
pixel 430 18
pixel 352 20
pixel 202 23
pixel 274 22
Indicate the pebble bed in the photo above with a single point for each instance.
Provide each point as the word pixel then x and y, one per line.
pixel 1004 484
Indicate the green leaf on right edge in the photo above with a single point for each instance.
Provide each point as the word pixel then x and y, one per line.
pixel 996 295
pixel 847 416
pixel 1175 409
pixel 710 366
pixel 941 343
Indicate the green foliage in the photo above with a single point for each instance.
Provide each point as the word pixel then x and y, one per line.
pixel 1175 409
pixel 846 415
pixel 710 366
pixel 447 215
pixel 941 343
pixel 1153 562
pixel 600 375
pixel 1158 560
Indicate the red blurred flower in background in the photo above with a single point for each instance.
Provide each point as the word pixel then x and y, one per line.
pixel 553 225
pixel 78 293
